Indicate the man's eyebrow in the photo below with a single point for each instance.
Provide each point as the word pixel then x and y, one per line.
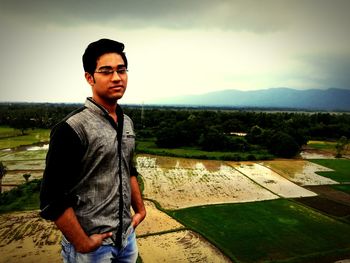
pixel 121 66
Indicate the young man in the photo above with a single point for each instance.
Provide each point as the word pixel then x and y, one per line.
pixel 90 181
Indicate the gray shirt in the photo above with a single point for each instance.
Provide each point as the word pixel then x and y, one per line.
pixel 99 191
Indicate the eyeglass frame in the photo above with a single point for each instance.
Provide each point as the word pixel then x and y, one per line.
pixel 121 71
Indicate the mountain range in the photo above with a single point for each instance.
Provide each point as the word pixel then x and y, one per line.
pixel 331 99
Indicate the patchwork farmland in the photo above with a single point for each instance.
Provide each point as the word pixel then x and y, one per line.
pixel 240 203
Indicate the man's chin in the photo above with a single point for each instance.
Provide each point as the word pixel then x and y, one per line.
pixel 116 97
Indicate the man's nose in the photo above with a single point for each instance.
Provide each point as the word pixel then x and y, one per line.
pixel 115 76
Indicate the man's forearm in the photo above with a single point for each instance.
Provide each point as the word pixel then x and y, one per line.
pixel 137 202
pixel 72 230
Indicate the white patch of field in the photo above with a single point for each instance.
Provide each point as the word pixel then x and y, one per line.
pixel 271 180
pixel 156 221
pixel 316 155
pixel 38 148
pixel 180 187
pixel 180 246
pixel 301 172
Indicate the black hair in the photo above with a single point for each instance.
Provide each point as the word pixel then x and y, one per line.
pixel 98 48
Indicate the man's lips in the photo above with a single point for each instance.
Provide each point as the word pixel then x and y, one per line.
pixel 117 87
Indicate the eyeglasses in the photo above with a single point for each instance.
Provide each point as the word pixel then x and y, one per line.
pixel 108 72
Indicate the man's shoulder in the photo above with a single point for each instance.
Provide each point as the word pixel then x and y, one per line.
pixel 82 117
pixel 69 122
pixel 74 114
pixel 127 118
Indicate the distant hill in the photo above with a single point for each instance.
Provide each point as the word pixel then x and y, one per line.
pixel 312 99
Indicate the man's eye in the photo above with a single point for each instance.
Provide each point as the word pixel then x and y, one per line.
pixel 121 71
pixel 105 71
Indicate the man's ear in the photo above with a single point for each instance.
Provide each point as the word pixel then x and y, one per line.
pixel 89 78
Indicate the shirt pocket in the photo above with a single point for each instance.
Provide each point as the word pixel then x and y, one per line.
pixel 128 144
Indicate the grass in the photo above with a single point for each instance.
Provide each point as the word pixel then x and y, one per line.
pixel 23 155
pixel 23 197
pixel 150 147
pixel 269 231
pixel 6 131
pixel 11 138
pixel 322 145
pixel 327 146
pixel 341 169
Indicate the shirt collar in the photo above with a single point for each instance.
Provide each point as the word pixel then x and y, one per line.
pixel 93 105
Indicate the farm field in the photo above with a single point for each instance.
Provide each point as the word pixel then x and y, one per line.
pixel 251 204
pixel 11 138
pixel 270 231
pixel 297 219
pixel 29 160
pixel 178 183
pixel 301 172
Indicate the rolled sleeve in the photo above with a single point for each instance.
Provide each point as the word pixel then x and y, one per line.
pixel 62 171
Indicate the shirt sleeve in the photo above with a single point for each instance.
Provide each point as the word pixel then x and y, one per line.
pixel 61 174
pixel 133 170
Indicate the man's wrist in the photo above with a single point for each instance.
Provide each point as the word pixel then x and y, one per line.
pixel 84 245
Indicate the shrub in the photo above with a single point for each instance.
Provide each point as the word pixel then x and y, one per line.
pixel 283 145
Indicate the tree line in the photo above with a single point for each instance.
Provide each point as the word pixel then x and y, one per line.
pixel 281 133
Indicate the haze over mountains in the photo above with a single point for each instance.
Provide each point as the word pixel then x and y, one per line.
pixel 331 99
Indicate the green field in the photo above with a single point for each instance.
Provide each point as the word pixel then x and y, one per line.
pixel 269 231
pixel 341 169
pixel 150 147
pixel 23 197
pixel 6 131
pixel 11 138
pixel 322 145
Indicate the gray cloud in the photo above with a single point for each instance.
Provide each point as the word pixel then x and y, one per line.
pixel 41 40
pixel 330 70
pixel 242 15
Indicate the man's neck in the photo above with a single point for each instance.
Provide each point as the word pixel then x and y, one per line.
pixel 110 107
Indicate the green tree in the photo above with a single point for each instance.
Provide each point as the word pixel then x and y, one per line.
pixel 167 137
pixel 213 140
pixel 22 122
pixel 3 171
pixel 340 146
pixel 283 145
pixel 254 135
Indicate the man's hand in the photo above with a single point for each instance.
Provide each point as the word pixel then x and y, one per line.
pixel 72 230
pixel 136 202
pixel 137 219
pixel 94 242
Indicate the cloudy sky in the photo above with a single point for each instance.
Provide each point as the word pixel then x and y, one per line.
pixel 174 47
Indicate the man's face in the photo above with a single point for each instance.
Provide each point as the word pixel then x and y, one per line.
pixel 107 84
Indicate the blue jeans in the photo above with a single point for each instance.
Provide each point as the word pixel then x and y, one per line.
pixel 105 253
